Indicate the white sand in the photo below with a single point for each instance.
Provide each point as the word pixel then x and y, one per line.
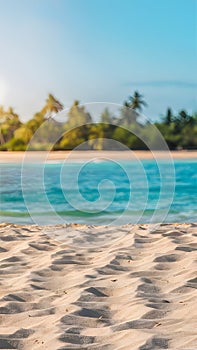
pixel 79 287
pixel 85 155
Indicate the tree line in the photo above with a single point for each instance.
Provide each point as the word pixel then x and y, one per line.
pixel 179 130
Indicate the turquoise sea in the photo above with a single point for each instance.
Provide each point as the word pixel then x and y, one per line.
pixel 99 192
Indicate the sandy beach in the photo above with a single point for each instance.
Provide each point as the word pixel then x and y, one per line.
pixel 98 217
pixel 85 155
pixel 88 287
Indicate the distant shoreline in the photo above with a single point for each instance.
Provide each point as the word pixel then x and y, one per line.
pixel 18 156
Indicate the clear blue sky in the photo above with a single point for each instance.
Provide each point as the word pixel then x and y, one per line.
pixel 98 50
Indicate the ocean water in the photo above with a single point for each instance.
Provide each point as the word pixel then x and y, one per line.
pixel 99 192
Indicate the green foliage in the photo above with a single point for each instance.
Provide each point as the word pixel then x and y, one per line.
pixel 15 145
pixel 106 117
pixel 96 136
pixel 77 116
pixel 128 138
pixel 9 123
pixel 42 132
pixel 24 134
pixel 72 139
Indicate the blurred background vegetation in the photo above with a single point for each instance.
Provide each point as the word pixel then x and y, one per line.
pixel 179 130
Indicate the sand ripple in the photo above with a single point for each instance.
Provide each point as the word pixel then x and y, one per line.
pixel 82 287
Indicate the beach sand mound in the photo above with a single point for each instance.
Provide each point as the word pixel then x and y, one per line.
pixel 86 287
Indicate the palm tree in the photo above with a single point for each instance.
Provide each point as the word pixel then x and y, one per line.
pixel 9 122
pixel 135 102
pixel 52 106
pixel 168 117
pixel 77 115
pixel 2 140
pixel 2 120
pixel 184 116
